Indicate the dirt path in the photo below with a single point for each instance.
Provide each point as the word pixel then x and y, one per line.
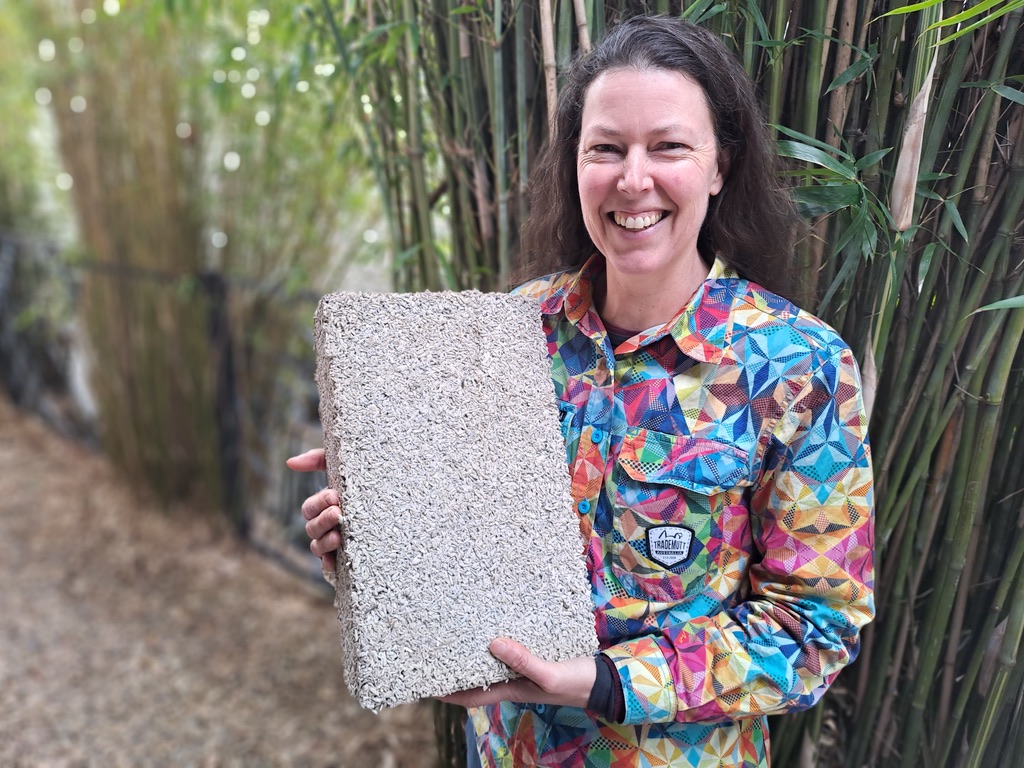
pixel 129 637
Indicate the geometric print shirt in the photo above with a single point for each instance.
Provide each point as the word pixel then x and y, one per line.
pixel 721 474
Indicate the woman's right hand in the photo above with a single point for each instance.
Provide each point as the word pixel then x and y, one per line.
pixel 322 512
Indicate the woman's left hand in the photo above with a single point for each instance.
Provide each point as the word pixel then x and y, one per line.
pixel 566 683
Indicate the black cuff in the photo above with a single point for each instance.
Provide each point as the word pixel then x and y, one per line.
pixel 606 697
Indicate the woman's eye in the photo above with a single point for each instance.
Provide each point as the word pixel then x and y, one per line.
pixel 605 148
pixel 671 145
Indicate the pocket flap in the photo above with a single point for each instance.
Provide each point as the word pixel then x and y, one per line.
pixel 698 464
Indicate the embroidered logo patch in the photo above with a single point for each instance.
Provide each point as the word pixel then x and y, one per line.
pixel 669 545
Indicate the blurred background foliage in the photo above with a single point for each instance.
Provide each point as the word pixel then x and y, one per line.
pixel 215 194
pixel 232 158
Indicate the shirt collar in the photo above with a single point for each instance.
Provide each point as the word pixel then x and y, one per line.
pixel 699 329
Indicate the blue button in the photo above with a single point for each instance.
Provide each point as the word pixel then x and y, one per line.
pixel 583 507
pixel 597 436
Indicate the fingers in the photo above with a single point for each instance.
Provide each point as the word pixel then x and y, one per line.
pixel 323 512
pixel 316 504
pixel 517 690
pixel 327 544
pixel 329 566
pixel 326 521
pixel 524 689
pixel 565 682
pixel 311 461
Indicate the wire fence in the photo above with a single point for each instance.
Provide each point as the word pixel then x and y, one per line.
pixel 44 366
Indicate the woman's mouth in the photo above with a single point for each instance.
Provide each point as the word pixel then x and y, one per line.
pixel 637 221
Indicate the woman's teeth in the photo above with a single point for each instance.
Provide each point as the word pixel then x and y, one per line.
pixel 637 222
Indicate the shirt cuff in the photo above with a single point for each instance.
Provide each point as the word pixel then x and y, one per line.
pixel 606 697
pixel 647 685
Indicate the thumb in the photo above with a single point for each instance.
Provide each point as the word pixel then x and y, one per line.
pixel 310 461
pixel 515 655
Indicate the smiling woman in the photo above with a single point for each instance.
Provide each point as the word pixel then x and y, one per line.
pixel 648 163
pixel 750 222
pixel 715 433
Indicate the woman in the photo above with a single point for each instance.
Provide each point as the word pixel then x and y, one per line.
pixel 715 433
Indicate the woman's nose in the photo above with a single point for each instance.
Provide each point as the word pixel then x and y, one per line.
pixel 635 173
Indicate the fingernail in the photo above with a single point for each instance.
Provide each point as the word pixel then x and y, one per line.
pixel 498 647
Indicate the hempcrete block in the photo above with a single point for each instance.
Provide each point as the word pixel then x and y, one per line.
pixel 442 438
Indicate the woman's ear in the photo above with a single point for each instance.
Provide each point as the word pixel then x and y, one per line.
pixel 723 171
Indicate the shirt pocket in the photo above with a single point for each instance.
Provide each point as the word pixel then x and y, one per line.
pixel 670 493
pixel 570 430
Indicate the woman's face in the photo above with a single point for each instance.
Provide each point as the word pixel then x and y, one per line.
pixel 647 165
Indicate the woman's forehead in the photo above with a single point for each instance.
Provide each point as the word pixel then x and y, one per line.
pixel 624 95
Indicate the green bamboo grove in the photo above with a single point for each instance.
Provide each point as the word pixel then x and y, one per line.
pixel 902 126
pixel 206 194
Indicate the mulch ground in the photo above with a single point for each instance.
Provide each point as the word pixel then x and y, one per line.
pixel 133 635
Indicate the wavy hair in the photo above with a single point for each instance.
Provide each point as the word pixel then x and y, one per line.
pixel 750 224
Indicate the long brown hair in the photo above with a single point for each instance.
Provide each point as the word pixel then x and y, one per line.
pixel 750 223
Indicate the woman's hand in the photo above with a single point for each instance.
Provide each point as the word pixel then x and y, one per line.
pixel 566 683
pixel 322 511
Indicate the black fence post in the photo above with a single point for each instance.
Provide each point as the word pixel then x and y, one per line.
pixel 226 410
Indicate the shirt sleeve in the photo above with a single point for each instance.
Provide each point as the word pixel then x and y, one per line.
pixel 810 582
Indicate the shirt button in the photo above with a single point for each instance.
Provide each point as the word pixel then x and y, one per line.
pixel 583 507
pixel 596 436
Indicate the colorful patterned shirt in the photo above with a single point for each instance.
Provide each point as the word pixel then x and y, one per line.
pixel 722 477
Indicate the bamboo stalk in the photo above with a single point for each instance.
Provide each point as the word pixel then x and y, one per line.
pixel 522 114
pixel 813 79
pixel 498 129
pixel 903 589
pixel 547 37
pixel 828 29
pixel 837 108
pixel 775 81
pixel 952 327
pixel 886 73
pixel 959 527
pixel 980 192
pixel 582 30
pixel 1011 574
pixel 1015 628
pixel 955 632
pixel 424 232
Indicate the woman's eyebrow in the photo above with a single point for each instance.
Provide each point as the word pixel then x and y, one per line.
pixel 607 130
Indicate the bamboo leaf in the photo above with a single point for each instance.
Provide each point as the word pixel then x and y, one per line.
pixel 809 154
pixel 710 13
pixel 928 193
pixel 979 23
pixel 805 139
pixel 852 72
pixel 775 43
pixel 753 11
pixel 970 13
pixel 870 159
pixel 1016 302
pixel 822 199
pixel 954 215
pixel 696 9
pixel 927 254
pixel 1009 93
pixel 911 8
pixel 854 233
pixel 869 379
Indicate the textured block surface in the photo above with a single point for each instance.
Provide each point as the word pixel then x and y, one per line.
pixel 442 438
